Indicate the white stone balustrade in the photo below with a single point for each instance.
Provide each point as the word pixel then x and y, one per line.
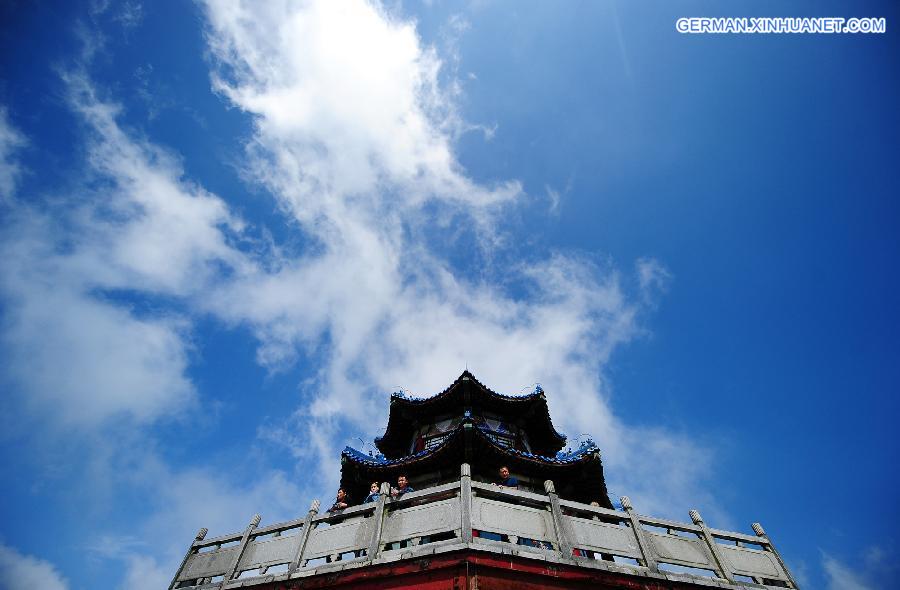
pixel 467 515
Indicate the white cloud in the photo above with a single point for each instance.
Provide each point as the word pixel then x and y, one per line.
pixel 354 135
pixel 143 572
pixel 875 569
pixel 841 577
pixel 150 229
pixel 75 354
pixel 11 141
pixel 181 501
pixel 80 361
pixel 554 197
pixel 349 111
pixel 128 14
pixel 193 498
pixel 19 571
pixel 652 275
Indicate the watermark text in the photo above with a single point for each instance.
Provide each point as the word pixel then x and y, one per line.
pixel 780 25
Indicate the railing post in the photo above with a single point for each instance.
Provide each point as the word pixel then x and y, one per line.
pixel 201 534
pixel 638 530
pixel 723 570
pixel 378 521
pixel 304 536
pixel 761 533
pixel 465 503
pixel 563 539
pixel 229 575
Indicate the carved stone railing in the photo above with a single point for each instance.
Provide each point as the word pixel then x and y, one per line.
pixel 467 515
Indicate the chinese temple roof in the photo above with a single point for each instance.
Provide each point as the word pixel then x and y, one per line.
pixel 562 457
pixel 407 413
pixel 578 474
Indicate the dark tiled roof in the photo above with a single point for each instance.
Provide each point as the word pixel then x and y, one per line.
pixel 466 375
pixel 586 448
pixel 401 425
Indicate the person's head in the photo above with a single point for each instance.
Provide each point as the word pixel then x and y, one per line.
pixel 374 487
pixel 504 472
pixel 402 482
pixel 341 495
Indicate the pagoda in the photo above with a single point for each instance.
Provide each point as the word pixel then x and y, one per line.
pixel 428 439
pixel 556 528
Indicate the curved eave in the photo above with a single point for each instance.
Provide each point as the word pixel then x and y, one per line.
pixel 379 461
pixel 399 427
pixel 580 455
pixel 578 475
pixel 583 453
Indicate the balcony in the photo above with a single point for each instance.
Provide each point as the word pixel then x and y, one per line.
pixel 467 516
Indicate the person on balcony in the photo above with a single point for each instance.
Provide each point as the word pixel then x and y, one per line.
pixel 373 493
pixel 341 501
pixel 402 487
pixel 506 480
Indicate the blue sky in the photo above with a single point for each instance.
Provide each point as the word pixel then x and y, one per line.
pixel 230 230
